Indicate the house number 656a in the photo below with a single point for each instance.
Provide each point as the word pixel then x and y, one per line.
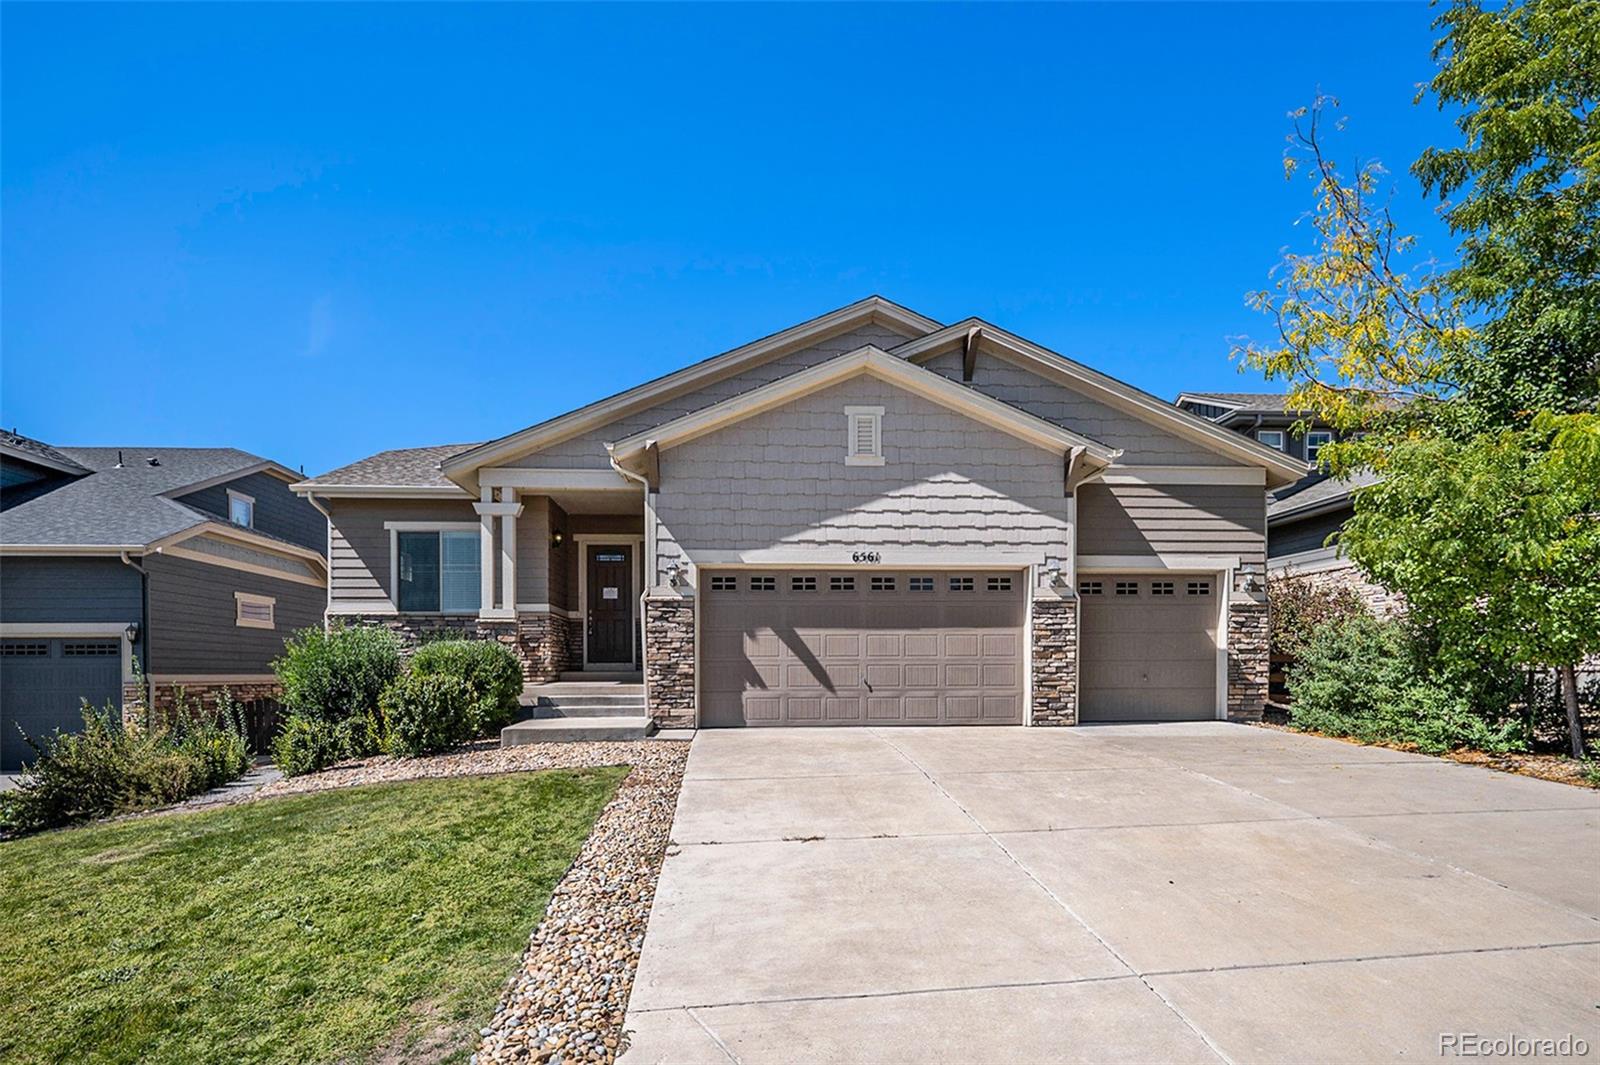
pixel 866 556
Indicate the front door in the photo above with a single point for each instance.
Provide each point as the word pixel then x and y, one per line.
pixel 610 605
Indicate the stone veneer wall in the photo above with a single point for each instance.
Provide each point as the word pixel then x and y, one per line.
pixel 1055 662
pixel 538 640
pixel 1249 667
pixel 669 660
pixel 544 643
pixel 1380 601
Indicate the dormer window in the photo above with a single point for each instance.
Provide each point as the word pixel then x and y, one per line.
pixel 241 509
pixel 1315 442
pixel 864 436
pixel 1271 437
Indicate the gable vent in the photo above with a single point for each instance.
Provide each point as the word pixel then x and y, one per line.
pixel 864 436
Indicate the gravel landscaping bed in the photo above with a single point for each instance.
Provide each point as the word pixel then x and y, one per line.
pixel 1554 767
pixel 568 997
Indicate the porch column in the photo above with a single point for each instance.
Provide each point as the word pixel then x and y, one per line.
pixel 508 550
pixel 486 556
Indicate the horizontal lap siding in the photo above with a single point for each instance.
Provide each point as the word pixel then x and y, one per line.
pixel 278 511
pixel 1308 534
pixel 193 627
pixel 779 479
pixel 588 449
pixel 58 591
pixel 1201 519
pixel 1142 443
pixel 359 562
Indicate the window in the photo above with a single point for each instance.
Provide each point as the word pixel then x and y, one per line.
pixel 883 584
pixel 802 584
pixel 841 584
pixel 438 571
pixel 863 436
pixel 253 611
pixel 1127 587
pixel 999 584
pixel 920 584
pixel 1315 442
pixel 1199 587
pixel 961 584
pixel 25 649
pixel 764 584
pixel 241 509
pixel 1271 437
pixel 724 584
pixel 1163 588
pixel 1091 588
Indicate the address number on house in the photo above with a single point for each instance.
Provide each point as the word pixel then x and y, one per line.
pixel 866 556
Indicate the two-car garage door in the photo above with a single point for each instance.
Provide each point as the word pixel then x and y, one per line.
pixel 867 647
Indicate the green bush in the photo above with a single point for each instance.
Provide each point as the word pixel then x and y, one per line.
pixel 107 769
pixel 1374 681
pixel 1300 606
pixel 427 713
pixel 337 674
pixel 306 744
pixel 489 669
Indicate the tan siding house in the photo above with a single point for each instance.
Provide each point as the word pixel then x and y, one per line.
pixel 867 518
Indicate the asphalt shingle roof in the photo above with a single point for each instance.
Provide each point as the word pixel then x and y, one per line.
pixel 409 467
pixel 37 448
pixel 112 507
pixel 1328 490
pixel 1262 402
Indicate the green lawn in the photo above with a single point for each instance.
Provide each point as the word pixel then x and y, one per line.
pixel 348 925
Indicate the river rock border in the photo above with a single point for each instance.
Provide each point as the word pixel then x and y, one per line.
pixel 569 995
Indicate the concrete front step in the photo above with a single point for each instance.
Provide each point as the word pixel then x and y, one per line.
pixel 585 708
pixel 603 676
pixel 574 730
pixel 557 689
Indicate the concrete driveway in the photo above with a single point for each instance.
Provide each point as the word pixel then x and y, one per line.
pixel 1125 893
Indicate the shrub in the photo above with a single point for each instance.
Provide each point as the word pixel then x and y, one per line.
pixel 489 669
pixel 306 744
pixel 339 673
pixel 1300 606
pixel 1374 681
pixel 107 769
pixel 427 713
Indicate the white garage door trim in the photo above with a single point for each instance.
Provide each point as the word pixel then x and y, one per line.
pixel 13 630
pixel 1000 562
pixel 1220 568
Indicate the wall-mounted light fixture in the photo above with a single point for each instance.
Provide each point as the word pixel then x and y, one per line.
pixel 674 574
pixel 1052 577
pixel 132 632
pixel 557 538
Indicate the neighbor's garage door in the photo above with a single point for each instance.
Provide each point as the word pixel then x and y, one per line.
pixel 1147 648
pixel 863 648
pixel 43 683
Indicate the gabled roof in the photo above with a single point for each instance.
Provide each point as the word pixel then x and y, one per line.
pixel 1281 469
pixel 868 361
pixel 459 468
pixel 1265 402
pixel 38 452
pixel 405 470
pixel 130 505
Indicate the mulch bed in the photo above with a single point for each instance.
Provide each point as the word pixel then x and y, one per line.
pixel 1556 767
pixel 569 995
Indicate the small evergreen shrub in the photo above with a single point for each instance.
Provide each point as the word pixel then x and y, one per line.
pixel 307 744
pixel 339 673
pixel 427 713
pixel 489 668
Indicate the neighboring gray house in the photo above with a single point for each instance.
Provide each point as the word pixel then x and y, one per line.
pixel 197 561
pixel 869 518
pixel 1301 516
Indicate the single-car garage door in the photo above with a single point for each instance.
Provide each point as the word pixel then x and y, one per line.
pixel 868 647
pixel 1147 647
pixel 43 683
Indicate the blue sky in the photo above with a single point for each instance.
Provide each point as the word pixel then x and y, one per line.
pixel 318 232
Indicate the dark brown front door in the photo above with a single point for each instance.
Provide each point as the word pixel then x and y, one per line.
pixel 610 603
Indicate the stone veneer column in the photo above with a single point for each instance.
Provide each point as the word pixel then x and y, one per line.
pixel 1249 664
pixel 1055 662
pixel 669 659
pixel 542 644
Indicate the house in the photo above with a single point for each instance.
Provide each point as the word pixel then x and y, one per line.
pixel 197 562
pixel 1301 516
pixel 868 518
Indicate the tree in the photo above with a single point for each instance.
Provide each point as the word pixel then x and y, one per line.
pixel 1495 542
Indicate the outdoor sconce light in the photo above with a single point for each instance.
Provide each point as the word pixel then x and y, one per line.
pixel 132 632
pixel 557 538
pixel 1052 577
pixel 674 574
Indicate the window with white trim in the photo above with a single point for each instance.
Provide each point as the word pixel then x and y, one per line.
pixel 1271 437
pixel 241 509
pixel 254 611
pixel 1316 440
pixel 863 436
pixel 439 571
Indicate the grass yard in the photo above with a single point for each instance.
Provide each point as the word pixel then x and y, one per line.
pixel 357 924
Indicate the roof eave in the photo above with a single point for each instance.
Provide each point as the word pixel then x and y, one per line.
pixel 379 491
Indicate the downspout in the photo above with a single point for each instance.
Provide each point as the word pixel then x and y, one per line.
pixel 327 600
pixel 144 613
pixel 649 555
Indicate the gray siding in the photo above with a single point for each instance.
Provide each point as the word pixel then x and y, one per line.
pixel 1142 443
pixel 58 591
pixel 192 618
pixel 1308 534
pixel 779 479
pixel 359 566
pixel 536 558
pixel 279 512
pixel 587 451
pixel 1194 519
